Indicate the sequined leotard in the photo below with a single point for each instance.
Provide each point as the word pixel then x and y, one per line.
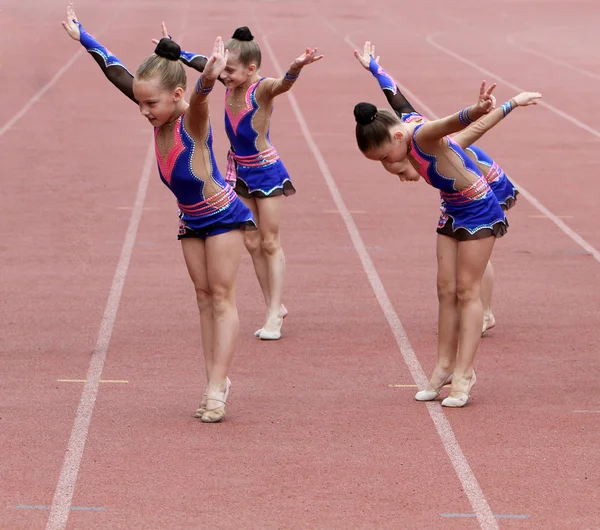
pixel 468 213
pixel 258 174
pixel 199 216
pixel 503 188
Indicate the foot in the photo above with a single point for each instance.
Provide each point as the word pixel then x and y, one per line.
pixel 271 330
pixel 283 312
pixel 459 398
pixel 216 405
pixel 488 322
pixel 202 407
pixel 433 388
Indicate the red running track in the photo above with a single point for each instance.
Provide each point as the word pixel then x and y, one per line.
pixel 322 429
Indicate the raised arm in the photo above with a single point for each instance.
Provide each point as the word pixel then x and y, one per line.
pixel 274 87
pixel 390 88
pixel 476 130
pixel 436 130
pixel 198 118
pixel 113 69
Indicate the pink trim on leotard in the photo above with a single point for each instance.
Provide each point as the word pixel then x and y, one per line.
pixel 235 120
pixel 474 192
pixel 218 201
pixel 166 168
pixel 494 173
pixel 422 163
pixel 268 156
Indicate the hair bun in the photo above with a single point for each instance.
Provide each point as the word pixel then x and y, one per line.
pixel 243 33
pixel 365 113
pixel 168 49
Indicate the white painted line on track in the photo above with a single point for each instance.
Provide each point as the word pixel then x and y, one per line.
pixel 465 474
pixel 63 495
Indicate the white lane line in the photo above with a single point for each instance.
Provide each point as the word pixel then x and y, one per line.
pixel 529 196
pixel 497 78
pixel 63 495
pixel 511 40
pixel 465 474
pixel 40 93
pixel 428 111
pixel 65 489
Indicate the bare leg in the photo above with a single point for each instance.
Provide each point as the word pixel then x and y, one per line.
pixel 447 249
pixel 223 256
pixel 254 245
pixel 252 241
pixel 487 286
pixel 269 214
pixel 195 259
pixel 473 257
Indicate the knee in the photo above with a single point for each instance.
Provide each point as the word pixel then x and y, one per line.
pixel 270 244
pixel 222 299
pixel 204 298
pixel 446 290
pixel 252 242
pixel 467 292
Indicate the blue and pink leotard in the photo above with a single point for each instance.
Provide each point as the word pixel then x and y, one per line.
pixel 503 188
pixel 470 213
pixel 257 173
pixel 200 216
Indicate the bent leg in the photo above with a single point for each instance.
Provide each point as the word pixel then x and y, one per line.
pixel 194 254
pixel 448 317
pixel 253 243
pixel 473 257
pixel 223 256
pixel 269 213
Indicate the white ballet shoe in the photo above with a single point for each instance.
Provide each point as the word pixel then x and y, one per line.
pixel 460 400
pixel 430 395
pixel 258 331
pixel 263 334
pixel 488 323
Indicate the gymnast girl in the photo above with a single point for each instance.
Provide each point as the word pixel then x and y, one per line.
pixel 261 178
pixel 254 167
pixel 212 219
pixel 503 188
pixel 471 221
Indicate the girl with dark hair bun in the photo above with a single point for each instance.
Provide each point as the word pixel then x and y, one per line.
pixel 212 218
pixel 504 190
pixel 261 179
pixel 254 167
pixel 471 221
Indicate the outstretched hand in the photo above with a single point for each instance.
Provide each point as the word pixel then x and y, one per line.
pixel 217 61
pixel 165 33
pixel 71 26
pixel 525 99
pixel 308 57
pixel 365 58
pixel 486 101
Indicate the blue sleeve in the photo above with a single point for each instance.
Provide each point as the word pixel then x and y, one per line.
pixel 110 65
pixel 395 98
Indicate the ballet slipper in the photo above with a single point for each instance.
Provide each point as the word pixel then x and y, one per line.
pixel 430 395
pixel 461 399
